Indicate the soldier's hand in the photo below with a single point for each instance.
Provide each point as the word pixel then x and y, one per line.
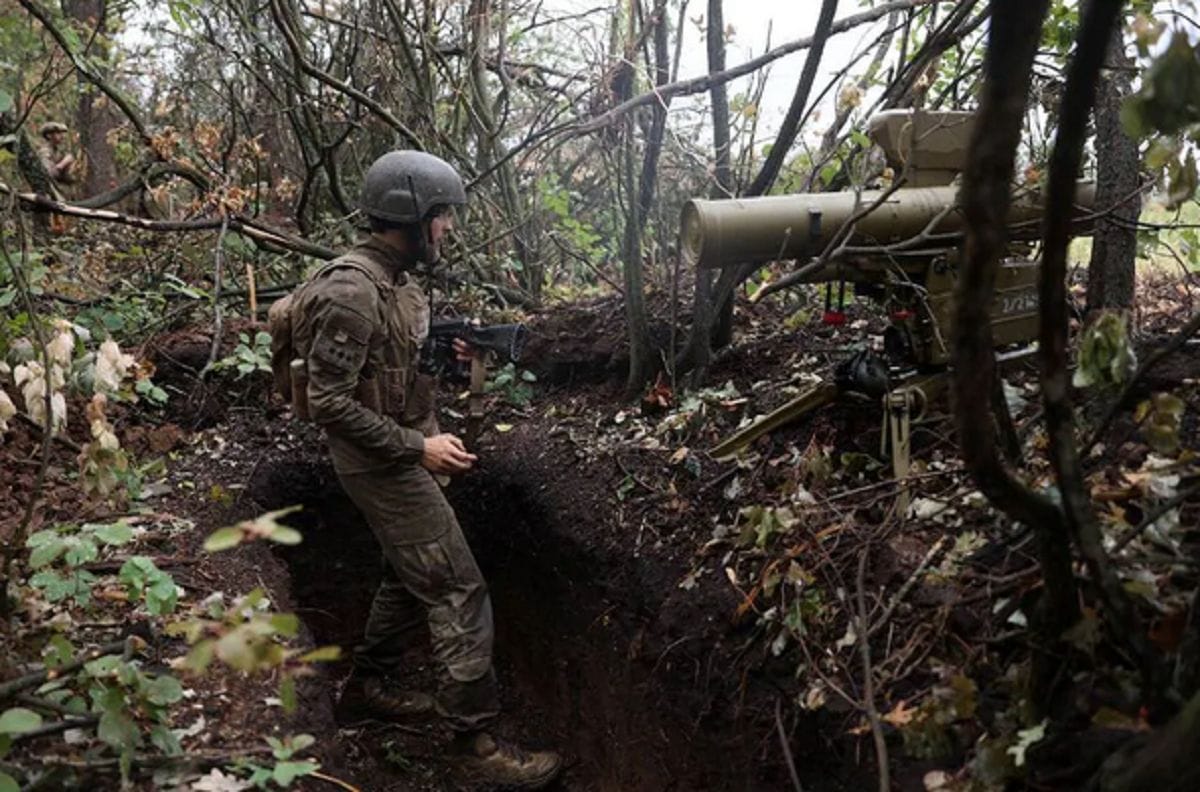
pixel 463 351
pixel 446 454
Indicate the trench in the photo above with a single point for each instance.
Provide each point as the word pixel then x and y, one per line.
pixel 580 664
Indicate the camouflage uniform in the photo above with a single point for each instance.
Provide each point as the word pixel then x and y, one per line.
pixel 359 325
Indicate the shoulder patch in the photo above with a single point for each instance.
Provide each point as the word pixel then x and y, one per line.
pixel 343 338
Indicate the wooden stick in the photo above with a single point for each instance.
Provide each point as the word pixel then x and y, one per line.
pixel 33 680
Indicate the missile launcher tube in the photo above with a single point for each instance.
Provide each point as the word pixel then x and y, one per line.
pixel 733 231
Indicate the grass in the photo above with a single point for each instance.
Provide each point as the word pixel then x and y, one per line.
pixel 1161 251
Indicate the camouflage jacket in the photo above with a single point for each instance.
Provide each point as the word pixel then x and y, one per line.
pixel 360 328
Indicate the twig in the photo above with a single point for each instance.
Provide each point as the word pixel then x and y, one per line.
pixel 33 680
pixel 634 477
pixel 787 749
pixel 908 585
pixel 1154 516
pixel 894 482
pixel 43 704
pixel 1174 345
pixel 60 438
pixel 266 237
pixel 864 646
pixel 218 314
pixel 56 728
pixel 337 782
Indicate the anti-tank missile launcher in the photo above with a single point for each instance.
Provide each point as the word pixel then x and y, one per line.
pixel 898 246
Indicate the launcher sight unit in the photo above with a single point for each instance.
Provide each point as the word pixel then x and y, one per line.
pixel 897 246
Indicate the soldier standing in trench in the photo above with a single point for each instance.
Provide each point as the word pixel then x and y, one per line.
pixel 358 325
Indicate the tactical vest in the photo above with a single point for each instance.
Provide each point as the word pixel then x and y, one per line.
pixel 389 383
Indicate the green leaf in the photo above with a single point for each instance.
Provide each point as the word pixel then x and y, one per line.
pixel 46 553
pixel 19 720
pixel 285 624
pixel 286 536
pixel 165 740
pixel 103 666
pixel 118 730
pixel 201 656
pixel 80 551
pixel 302 741
pixel 8 783
pixel 6 103
pixel 117 533
pixel 162 596
pixel 163 690
pixel 135 572
pixel 324 654
pixel 287 772
pixel 223 539
pixel 57 652
pixel 287 693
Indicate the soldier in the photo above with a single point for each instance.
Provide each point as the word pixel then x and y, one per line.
pixel 58 163
pixel 359 324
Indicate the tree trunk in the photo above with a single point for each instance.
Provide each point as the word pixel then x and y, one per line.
pixel 1114 243
pixel 95 117
pixel 986 198
pixel 697 349
pixel 641 197
pixel 716 321
pixel 1166 762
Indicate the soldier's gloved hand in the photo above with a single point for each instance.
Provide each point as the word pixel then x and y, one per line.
pixel 446 454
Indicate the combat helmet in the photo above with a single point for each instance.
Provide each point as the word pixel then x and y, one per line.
pixel 402 186
pixel 50 127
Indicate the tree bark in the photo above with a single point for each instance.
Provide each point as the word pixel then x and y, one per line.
pixel 697 349
pixel 1098 21
pixel 1166 762
pixel 986 196
pixel 94 116
pixel 1111 276
pixel 719 309
pixel 641 197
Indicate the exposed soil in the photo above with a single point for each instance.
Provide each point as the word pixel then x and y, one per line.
pixel 599 653
pixel 626 638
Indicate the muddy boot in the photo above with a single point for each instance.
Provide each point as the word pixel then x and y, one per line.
pixel 483 759
pixel 373 697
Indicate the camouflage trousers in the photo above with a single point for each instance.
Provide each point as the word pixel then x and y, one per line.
pixel 429 571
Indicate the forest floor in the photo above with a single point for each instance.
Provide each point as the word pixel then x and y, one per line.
pixel 668 621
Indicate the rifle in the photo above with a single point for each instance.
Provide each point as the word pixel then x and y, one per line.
pixel 505 341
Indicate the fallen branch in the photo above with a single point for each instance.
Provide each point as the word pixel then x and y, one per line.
pixel 56 728
pixel 269 238
pixel 27 681
pixel 1155 515
pixel 787 749
pixel 908 585
pixel 61 438
pixel 864 648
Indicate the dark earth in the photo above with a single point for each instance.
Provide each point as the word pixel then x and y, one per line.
pixel 606 650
